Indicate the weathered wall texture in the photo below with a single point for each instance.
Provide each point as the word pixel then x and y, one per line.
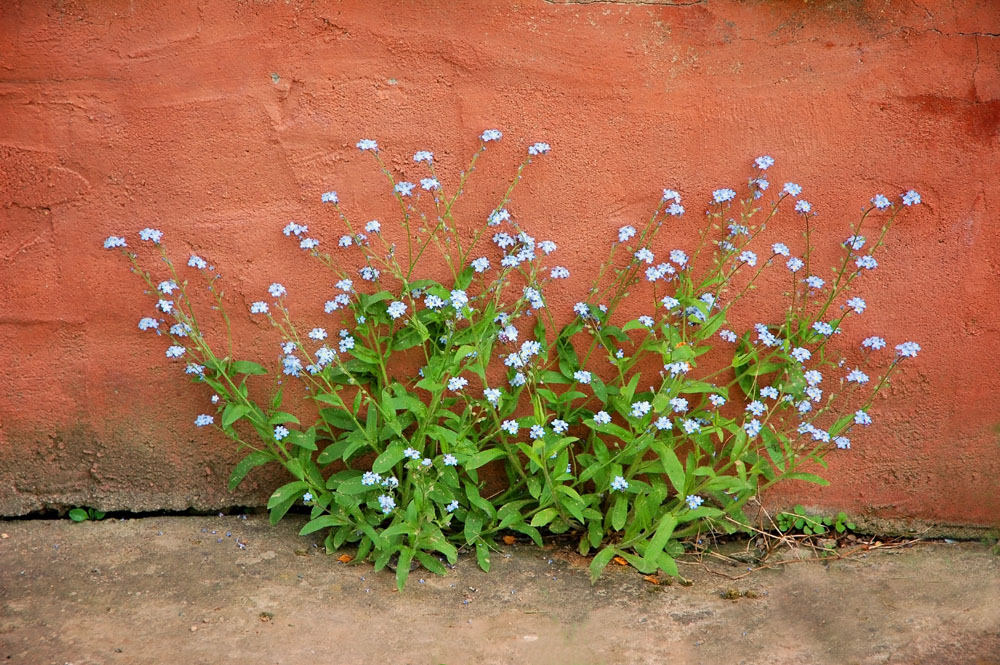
pixel 220 121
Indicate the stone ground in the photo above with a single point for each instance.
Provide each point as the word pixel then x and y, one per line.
pixel 200 590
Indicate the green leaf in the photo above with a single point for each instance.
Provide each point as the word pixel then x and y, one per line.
pixel 672 466
pixel 283 498
pixel 601 562
pixel 403 567
pixel 281 417
pixel 322 522
pixel 807 477
pixel 544 516
pixel 247 367
pixel 482 457
pixel 483 555
pixel 659 540
pixel 232 413
pixel 79 515
pixel 388 459
pixel 619 512
pixel 243 467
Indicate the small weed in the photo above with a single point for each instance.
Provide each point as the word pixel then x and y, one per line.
pixel 86 514
pixel 801 521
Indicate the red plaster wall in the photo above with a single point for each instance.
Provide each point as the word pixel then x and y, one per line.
pixel 218 122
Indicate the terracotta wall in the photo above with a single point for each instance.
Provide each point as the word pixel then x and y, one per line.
pixel 218 122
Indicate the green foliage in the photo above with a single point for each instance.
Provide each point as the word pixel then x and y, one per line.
pixel 451 410
pixel 802 522
pixel 85 514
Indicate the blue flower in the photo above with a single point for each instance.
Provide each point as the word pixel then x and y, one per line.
pixel 814 282
pixel 881 202
pixel 857 304
pixel 756 407
pixel 450 460
pixel 769 391
pixel 203 420
pixel 861 417
pixel 792 189
pixel 857 376
pixel 496 217
pixel 822 328
pixel 459 299
pixel 259 307
pixel 491 135
pixel 671 195
pixel 368 273
pixel 539 148
pixel 369 478
pixel 429 184
pixel 716 400
pixel 387 503
pixel 151 235
pixel 510 426
pixel 727 336
pixel 803 206
pixel 640 409
pixel 842 442
pixel 663 423
pixel 346 344
pixel 328 197
pixel 780 248
pixel 559 272
pixel 866 262
pixel 404 188
pixel 581 310
pixel 492 395
pixel 723 195
pixel 367 144
pixel 547 246
pixel 855 242
pixel 619 484
pixel 277 290
pixel 693 501
pixel 175 351
pixel 423 156
pixel 813 377
pixel 582 376
pixel 679 404
pixel 752 428
pixel 536 432
pixel 748 258
pixel 456 383
pixel 291 365
pixel 481 264
pixel 691 426
pixel 644 255
pixel 452 507
pixel 911 198
pixel 764 162
pixel 518 379
pixel 114 241
pixel 801 354
pixel 197 262
pixel 412 453
pixel 908 349
pixel 147 323
pixel 396 309
pixel 626 232
pixel 559 426
pixel 795 264
pixel 602 418
pixel 280 432
pixel 678 256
